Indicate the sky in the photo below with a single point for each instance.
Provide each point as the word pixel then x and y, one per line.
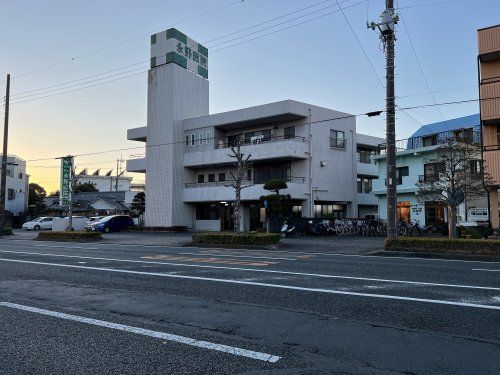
pixel 309 53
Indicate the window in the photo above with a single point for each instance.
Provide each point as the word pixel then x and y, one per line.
pixel 430 140
pixel 192 140
pixel 201 178
pixel 329 211
pixel 232 140
pixel 222 177
pixel 187 139
pixel 11 194
pixel 249 175
pixel 432 170
pixel 21 175
pixel 476 166
pixel 262 135
pixel 211 177
pixel 266 172
pixel 290 132
pixel 207 211
pixel 337 139
pixel 207 138
pixel 364 184
pixel 201 139
pixel 400 173
pixel 364 155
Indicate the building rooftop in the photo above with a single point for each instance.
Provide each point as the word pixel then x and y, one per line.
pixel 470 121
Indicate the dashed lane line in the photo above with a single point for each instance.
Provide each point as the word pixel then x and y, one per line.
pixel 147 332
pixel 267 285
pixel 423 283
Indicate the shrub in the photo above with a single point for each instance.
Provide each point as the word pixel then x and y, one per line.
pixel 444 245
pixel 69 236
pixel 249 238
pixel 6 231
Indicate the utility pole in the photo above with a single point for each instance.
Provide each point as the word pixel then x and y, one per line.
pixel 386 26
pixel 3 178
pixel 119 172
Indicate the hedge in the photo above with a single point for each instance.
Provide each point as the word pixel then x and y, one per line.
pixel 69 236
pixel 249 238
pixel 6 231
pixel 444 245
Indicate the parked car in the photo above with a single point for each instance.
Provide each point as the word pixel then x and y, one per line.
pixel 39 223
pixel 113 223
pixel 92 220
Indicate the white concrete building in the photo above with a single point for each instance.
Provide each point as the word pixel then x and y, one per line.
pixel 105 183
pixel 17 184
pixel 326 164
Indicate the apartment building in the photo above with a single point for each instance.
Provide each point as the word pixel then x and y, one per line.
pixel 414 163
pixel 17 184
pixel 316 150
pixel 489 94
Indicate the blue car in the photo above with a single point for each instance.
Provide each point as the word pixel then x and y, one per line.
pixel 114 223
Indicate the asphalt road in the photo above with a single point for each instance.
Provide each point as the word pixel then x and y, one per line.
pixel 135 309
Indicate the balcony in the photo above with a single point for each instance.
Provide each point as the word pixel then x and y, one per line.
pixel 489 42
pixel 137 163
pixel 261 149
pixel 492 163
pixel 222 191
pixel 137 134
pixel 490 100
pixel 405 184
pixel 366 169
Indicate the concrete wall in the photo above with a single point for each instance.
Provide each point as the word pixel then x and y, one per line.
pixel 18 205
pixel 174 94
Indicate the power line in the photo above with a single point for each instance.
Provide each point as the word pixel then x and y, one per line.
pixel 433 4
pixel 125 41
pixel 369 114
pixel 419 64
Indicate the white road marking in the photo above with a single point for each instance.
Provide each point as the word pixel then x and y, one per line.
pixel 146 332
pixel 237 256
pixel 260 270
pixel 485 269
pixel 293 253
pixel 251 283
pixel 68 247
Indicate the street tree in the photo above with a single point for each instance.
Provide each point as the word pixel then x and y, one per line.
pixel 241 164
pixel 139 203
pixel 275 185
pixel 459 175
pixel 36 196
pixel 86 187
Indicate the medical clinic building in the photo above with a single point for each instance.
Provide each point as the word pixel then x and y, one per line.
pixel 325 163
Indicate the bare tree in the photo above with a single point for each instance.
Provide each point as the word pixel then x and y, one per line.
pixel 241 164
pixel 458 175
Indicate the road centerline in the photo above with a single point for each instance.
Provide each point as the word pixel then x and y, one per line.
pixel 268 285
pixel 146 332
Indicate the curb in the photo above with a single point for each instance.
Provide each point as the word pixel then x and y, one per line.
pixel 411 254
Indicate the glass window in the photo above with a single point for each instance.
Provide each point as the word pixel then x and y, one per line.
pixel 201 178
pixel 192 140
pixel 337 139
pixel 211 177
pixel 475 166
pixel 290 132
pixel 207 211
pixel 222 177
pixel 364 155
pixel 187 139
pixel 207 137
pixel 201 139
pixel 360 185
pixel 20 175
pixel 11 194
pixel 430 140
pixel 400 173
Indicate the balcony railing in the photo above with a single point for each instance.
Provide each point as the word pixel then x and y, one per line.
pixel 460 135
pixel 255 140
pixel 245 182
pixel 428 178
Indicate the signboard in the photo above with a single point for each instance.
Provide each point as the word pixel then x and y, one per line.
pixel 65 188
pixel 172 46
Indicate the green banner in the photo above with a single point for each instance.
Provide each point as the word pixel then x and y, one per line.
pixel 65 189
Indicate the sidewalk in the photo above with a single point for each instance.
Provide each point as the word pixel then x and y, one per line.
pixel 330 244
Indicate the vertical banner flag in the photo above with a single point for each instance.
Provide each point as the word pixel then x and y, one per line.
pixel 65 188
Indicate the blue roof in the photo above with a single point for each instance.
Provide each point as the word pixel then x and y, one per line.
pixel 444 126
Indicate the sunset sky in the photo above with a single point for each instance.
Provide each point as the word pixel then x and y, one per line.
pixel 319 61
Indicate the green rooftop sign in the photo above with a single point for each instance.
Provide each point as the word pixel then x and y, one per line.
pixel 172 46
